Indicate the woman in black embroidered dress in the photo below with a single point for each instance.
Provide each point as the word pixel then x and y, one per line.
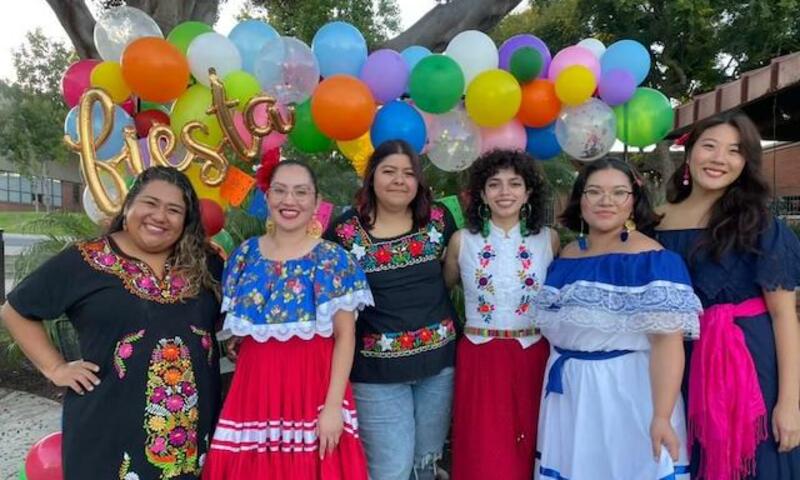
pixel 144 398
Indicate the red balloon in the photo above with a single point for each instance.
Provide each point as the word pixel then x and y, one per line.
pixel 76 80
pixel 44 459
pixel 145 120
pixel 212 216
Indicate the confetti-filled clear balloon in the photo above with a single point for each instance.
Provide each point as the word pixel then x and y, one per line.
pixel 119 26
pixel 588 131
pixel 455 141
pixel 287 69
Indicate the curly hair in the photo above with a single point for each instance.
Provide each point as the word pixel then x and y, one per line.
pixel 644 216
pixel 192 250
pixel 740 215
pixel 488 165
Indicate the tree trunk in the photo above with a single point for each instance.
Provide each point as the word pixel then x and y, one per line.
pixel 666 166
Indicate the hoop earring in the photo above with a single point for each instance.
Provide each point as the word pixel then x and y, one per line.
pixel 314 228
pixel 583 242
pixel 685 181
pixel 630 226
pixel 485 214
pixel 270 227
pixel 524 214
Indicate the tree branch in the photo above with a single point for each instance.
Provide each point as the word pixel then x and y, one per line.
pixel 78 22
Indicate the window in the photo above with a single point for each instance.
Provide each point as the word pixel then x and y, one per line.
pixel 17 189
pixel 788 206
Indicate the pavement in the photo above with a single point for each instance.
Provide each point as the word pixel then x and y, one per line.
pixel 24 419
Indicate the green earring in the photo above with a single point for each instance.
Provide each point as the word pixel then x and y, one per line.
pixel 485 215
pixel 524 213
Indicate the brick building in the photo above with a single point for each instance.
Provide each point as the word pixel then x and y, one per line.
pixel 59 186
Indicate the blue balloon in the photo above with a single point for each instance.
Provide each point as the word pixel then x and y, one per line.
pixel 249 36
pixel 258 205
pixel 115 141
pixel 542 142
pixel 340 49
pixel 628 55
pixel 413 54
pixel 398 121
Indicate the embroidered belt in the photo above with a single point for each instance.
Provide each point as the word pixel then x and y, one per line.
pixel 405 344
pixel 554 378
pixel 494 333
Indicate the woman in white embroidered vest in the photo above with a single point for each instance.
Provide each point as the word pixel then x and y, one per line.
pixel 290 299
pixel 501 258
pixel 615 307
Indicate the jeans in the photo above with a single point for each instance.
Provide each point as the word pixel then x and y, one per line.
pixel 403 426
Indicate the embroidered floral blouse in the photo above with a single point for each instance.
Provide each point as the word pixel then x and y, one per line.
pixel 159 396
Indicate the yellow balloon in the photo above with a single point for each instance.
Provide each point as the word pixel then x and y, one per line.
pixel 203 190
pixel 357 151
pixel 575 85
pixel 108 76
pixel 493 98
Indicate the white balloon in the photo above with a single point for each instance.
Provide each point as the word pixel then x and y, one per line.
pixel 474 51
pixel 212 50
pixel 287 69
pixel 588 131
pixel 593 45
pixel 455 141
pixel 119 26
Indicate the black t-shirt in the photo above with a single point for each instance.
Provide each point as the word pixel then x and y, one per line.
pixel 159 395
pixel 409 334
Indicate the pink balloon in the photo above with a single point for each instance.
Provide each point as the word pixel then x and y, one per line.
pixel 129 106
pixel 430 122
pixel 44 459
pixel 271 141
pixel 510 136
pixel 76 80
pixel 574 55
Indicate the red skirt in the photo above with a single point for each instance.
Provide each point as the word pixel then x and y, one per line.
pixel 268 424
pixel 498 388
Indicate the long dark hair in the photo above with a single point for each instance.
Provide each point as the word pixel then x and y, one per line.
pixel 190 253
pixel 523 165
pixel 740 214
pixel 644 216
pixel 366 201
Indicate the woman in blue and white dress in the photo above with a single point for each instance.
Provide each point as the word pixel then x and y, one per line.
pixel 615 308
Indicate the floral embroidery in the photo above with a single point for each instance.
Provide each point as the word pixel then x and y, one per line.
pixel 421 246
pixel 524 257
pixel 137 276
pixel 484 280
pixel 171 415
pixel 485 308
pixel 404 344
pixel 524 305
pixel 124 350
pixel 528 280
pixel 486 255
pixel 124 469
pixel 205 341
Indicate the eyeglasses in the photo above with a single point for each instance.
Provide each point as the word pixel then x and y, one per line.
pixel 300 194
pixel 617 197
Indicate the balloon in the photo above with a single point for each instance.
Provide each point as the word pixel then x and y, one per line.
pixel 646 119
pixel 399 121
pixel 436 84
pixel 588 131
pixel 305 135
pixel 129 105
pixel 287 70
pixel 224 240
pixel 192 105
pixel 271 141
pixel 574 85
pixel 212 50
pixel 119 26
pixel 526 64
pixel 212 216
pixel 108 76
pixel 145 120
pixel 43 461
pixel 510 136
pixel 155 70
pixel 249 37
pixel 616 87
pixel 21 475
pixel 183 34
pixel 571 56
pixel 413 54
pixel 203 190
pixel 358 152
pixel 627 55
pixel 429 120
pixel 593 45
pixel 92 210
pixel 455 141
pixel 542 142
pixel 474 51
pixel 540 104
pixel 343 107
pixel 115 141
pixel 493 98
pixel 164 107
pixel 516 42
pixel 340 49
pixel 240 85
pixel 386 74
pixel 76 80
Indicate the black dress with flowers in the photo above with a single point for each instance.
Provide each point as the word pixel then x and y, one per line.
pixel 152 414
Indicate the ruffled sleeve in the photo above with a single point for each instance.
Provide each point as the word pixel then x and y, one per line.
pixel 233 271
pixel 339 284
pixel 778 264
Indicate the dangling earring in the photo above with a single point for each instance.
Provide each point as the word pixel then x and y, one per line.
pixel 270 227
pixel 685 181
pixel 485 214
pixel 524 213
pixel 583 243
pixel 630 226
pixel 314 228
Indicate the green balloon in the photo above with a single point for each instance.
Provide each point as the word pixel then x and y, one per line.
pixel 305 135
pixel 224 240
pixel 183 34
pixel 436 84
pixel 145 105
pixel 240 85
pixel 22 474
pixel 526 64
pixel 645 119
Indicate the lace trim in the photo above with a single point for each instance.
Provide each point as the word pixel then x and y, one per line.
pixel 640 322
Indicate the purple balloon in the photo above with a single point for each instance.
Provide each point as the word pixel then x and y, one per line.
pixel 386 74
pixel 516 42
pixel 144 148
pixel 616 87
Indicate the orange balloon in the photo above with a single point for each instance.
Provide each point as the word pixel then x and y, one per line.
pixel 540 104
pixel 343 107
pixel 155 69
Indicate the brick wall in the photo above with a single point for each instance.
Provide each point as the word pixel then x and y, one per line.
pixel 782 169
